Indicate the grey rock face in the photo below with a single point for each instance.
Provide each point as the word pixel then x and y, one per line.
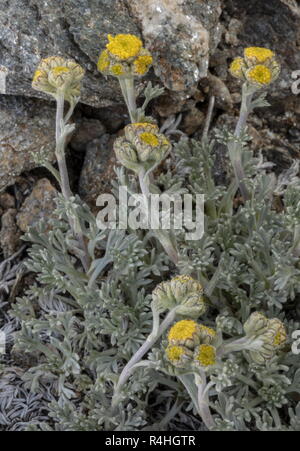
pixel 26 126
pixel 180 34
pixel 34 29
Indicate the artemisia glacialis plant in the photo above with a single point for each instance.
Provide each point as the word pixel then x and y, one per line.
pixel 141 329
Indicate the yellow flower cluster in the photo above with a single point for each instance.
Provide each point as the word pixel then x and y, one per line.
pixel 141 147
pixel 190 343
pixel 124 56
pixel 259 66
pixel 56 74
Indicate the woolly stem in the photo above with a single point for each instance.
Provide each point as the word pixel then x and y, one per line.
pixel 128 91
pixel 197 390
pixel 63 172
pixel 235 148
pixel 162 236
pixel 147 345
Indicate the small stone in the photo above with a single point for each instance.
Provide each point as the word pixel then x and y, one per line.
pixel 193 121
pixel 221 92
pixel 234 27
pixel 169 104
pixel 7 201
pixel 39 205
pixel 9 235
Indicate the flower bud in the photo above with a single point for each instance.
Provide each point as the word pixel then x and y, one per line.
pixel 183 291
pixel 142 147
pixel 267 335
pixel 56 74
pixel 280 335
pixel 124 57
pixel 256 324
pixel 207 335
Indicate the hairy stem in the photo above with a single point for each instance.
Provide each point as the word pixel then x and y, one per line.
pixel 195 385
pixel 63 172
pixel 235 148
pixel 128 91
pixel 203 402
pixel 147 345
pixel 162 235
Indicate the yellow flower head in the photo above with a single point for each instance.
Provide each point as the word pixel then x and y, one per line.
pixel 179 356
pixel 280 335
pixel 183 330
pixel 60 70
pixel 258 55
pixel 237 67
pixel 184 333
pixel 147 125
pixel 258 67
pixel 205 355
pixel 117 70
pixel 149 138
pixel 38 73
pixel 124 46
pixel 142 64
pixel 146 146
pixel 124 56
pixel 57 73
pixel 260 75
pixel 174 352
pixel 103 63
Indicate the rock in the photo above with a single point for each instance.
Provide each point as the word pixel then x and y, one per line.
pixel 26 127
pixel 9 235
pixel 221 92
pixel 192 121
pixel 234 28
pixel 7 201
pixel 86 130
pixel 40 204
pixel 179 34
pixel 294 7
pixel 98 170
pixel 77 29
pixel 269 24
